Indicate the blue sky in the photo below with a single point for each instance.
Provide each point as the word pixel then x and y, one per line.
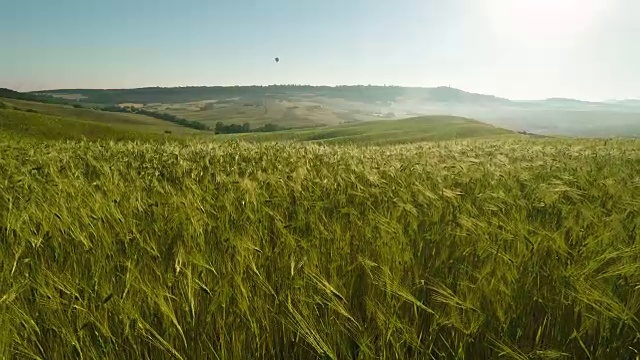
pixel 522 49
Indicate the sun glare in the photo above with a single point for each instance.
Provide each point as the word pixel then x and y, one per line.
pixel 547 20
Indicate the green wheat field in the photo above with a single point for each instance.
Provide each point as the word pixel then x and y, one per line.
pixel 513 248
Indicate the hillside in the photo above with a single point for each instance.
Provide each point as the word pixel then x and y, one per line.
pixel 17 124
pixel 43 98
pixel 257 113
pixel 133 122
pixel 57 122
pixel 304 106
pixel 426 128
pixel 357 93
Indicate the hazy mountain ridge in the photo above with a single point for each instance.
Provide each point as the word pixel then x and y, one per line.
pixel 562 116
pixel 384 93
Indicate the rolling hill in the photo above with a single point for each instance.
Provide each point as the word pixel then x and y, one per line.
pixel 425 128
pixel 306 106
pixel 54 121
pixel 357 93
pixel 124 121
pixel 17 124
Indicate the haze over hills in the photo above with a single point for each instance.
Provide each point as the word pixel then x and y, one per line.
pixel 325 105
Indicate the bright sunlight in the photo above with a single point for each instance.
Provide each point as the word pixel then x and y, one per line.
pixel 547 20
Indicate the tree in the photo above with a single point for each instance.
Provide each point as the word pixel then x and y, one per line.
pixel 219 128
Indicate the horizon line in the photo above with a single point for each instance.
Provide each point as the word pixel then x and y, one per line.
pixel 325 86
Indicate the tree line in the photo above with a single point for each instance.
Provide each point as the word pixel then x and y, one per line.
pixel 158 115
pixel 246 128
pixel 11 94
pixel 219 129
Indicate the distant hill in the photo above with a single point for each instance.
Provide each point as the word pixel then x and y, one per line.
pixel 449 94
pixel 568 100
pixel 366 94
pixel 134 122
pixel 43 98
pixel 628 102
pixel 308 106
pixel 24 119
pixel 424 128
pixel 571 102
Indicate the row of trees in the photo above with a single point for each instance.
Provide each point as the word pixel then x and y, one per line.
pixel 46 99
pixel 162 116
pixel 219 129
pixel 246 128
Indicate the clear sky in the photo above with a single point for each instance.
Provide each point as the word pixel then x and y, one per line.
pixel 521 49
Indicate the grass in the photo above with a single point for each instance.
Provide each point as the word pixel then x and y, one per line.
pixel 292 113
pixel 467 249
pixel 132 122
pixel 47 121
pixel 33 125
pixel 381 132
pixel 239 112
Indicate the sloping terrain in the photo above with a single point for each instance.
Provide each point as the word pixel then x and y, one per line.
pixel 257 113
pixel 372 132
pixel 54 120
pixel 126 121
pixel 323 105
pixel 426 128
pixel 23 124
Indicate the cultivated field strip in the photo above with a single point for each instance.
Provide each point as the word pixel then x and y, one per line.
pixel 479 249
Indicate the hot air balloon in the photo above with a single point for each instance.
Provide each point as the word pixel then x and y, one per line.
pixel 277 59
